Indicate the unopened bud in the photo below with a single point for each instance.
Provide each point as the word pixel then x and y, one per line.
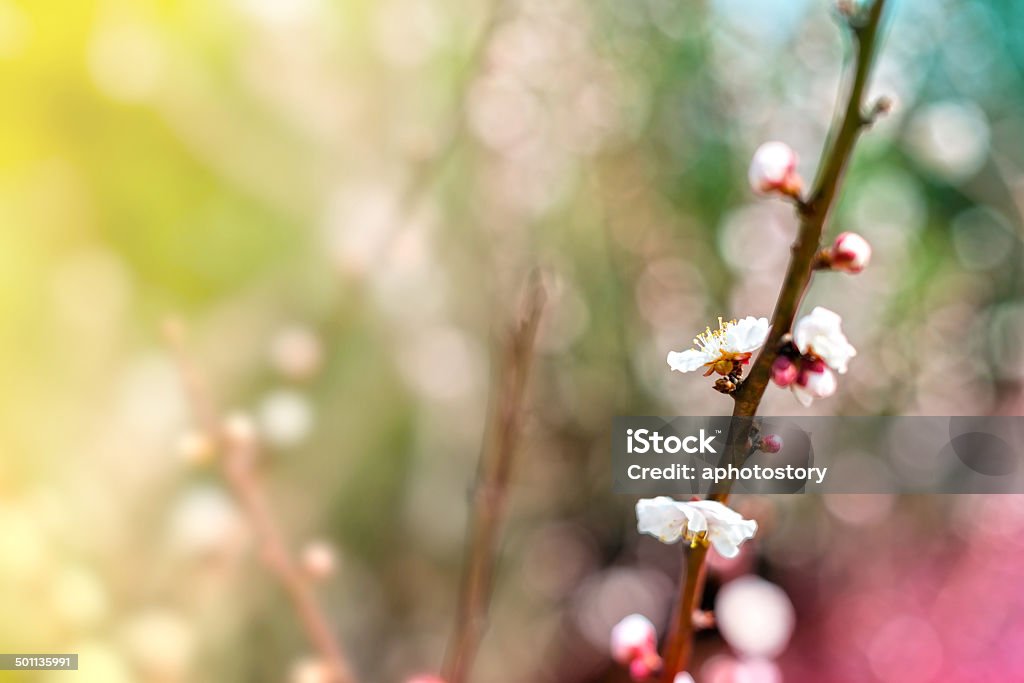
pixel 850 253
pixel 884 105
pixel 725 385
pixel 643 668
pixel 318 560
pixel 632 638
pixel 773 170
pixel 771 443
pixel 784 371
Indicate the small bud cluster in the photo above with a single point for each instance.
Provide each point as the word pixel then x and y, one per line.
pixel 634 645
pixel 808 373
pixel 808 362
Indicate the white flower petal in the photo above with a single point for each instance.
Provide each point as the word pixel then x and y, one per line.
pixel 746 335
pixel 820 333
pixel 669 520
pixel 689 360
pixel 802 395
pixel 727 539
pixel 660 517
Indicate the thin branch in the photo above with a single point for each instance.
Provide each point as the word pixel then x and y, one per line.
pixel 812 217
pixel 491 488
pixel 813 214
pixel 238 459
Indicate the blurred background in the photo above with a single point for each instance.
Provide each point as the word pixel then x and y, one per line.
pixel 341 199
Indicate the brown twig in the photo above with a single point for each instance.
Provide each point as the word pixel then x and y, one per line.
pixel 813 213
pixel 491 488
pixel 238 459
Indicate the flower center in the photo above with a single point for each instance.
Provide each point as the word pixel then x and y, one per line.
pixel 712 339
pixel 700 537
pixel 727 363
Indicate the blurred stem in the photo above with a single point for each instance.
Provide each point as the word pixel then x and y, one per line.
pixel 425 171
pixel 813 213
pixel 491 488
pixel 238 459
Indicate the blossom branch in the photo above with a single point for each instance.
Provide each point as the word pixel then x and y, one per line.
pixel 490 490
pixel 813 213
pixel 239 449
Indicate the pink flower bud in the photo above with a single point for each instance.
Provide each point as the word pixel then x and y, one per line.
pixel 771 443
pixel 819 382
pixel 633 638
pixel 850 253
pixel 784 371
pixel 638 669
pixel 773 170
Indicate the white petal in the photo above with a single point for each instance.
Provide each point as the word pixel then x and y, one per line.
pixel 820 333
pixel 715 510
pixel 727 529
pixel 835 352
pixel 746 335
pixel 689 360
pixel 820 384
pixel 683 677
pixel 660 517
pixel 727 538
pixel 802 395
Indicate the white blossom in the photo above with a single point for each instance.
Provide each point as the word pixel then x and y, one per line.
pixel 723 349
pixel 820 334
pixel 701 521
